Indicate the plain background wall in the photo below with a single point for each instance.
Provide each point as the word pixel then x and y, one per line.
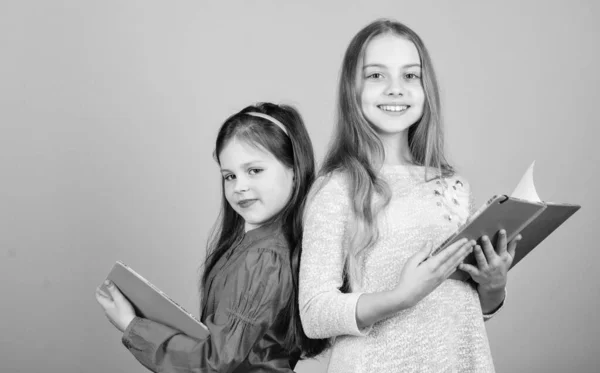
pixel 109 109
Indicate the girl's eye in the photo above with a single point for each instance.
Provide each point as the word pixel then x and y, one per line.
pixel 228 177
pixel 254 171
pixel 375 76
pixel 412 76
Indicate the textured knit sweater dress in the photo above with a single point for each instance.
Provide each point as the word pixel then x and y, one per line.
pixel 444 332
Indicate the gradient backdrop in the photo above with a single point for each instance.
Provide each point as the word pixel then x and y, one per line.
pixel 109 109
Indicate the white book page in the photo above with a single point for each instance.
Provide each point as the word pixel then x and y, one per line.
pixel 526 189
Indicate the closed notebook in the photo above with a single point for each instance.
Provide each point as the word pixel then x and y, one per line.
pixel 522 212
pixel 151 303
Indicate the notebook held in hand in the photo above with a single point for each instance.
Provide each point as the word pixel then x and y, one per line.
pixel 151 303
pixel 522 212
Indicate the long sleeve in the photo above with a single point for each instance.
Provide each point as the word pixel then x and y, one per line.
pixel 254 297
pixel 324 310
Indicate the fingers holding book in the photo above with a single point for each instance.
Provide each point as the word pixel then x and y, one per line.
pixel 491 269
pixel 117 308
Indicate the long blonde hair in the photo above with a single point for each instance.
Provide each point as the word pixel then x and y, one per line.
pixel 357 151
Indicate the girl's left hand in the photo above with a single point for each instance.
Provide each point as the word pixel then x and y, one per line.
pixel 117 308
pixel 492 267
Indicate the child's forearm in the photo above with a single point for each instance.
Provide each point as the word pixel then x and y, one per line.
pixel 373 307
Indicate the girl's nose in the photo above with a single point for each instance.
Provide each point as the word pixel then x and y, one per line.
pixel 241 185
pixel 395 88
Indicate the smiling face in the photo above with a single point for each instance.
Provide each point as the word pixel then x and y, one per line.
pixel 256 184
pixel 391 92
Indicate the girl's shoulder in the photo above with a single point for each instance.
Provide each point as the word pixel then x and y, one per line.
pixel 265 255
pixel 331 188
pixel 458 191
pixel 260 275
pixel 335 181
pixel 458 182
pixel 270 244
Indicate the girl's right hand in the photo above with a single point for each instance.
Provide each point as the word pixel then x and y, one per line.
pixel 423 274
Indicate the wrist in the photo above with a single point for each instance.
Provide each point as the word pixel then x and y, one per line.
pixel 127 322
pixel 491 291
pixel 400 300
pixel 491 299
pixel 373 307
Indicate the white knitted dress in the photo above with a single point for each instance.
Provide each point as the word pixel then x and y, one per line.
pixel 444 332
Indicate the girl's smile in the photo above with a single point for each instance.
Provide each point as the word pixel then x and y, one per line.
pixel 394 108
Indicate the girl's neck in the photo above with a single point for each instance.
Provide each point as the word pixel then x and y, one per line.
pixel 267 225
pixel 250 227
pixel 397 151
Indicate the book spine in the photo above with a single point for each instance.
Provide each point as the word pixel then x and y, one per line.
pixel 443 245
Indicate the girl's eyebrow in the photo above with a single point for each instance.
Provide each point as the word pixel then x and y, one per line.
pixel 385 67
pixel 244 165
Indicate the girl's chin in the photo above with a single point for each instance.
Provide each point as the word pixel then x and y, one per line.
pixel 391 129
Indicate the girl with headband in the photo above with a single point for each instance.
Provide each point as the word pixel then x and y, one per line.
pixel 249 301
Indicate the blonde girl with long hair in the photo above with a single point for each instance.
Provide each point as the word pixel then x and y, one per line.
pixel 386 196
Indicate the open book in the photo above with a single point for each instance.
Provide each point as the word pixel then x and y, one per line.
pixel 151 303
pixel 522 212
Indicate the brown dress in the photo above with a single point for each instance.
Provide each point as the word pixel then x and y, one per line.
pixel 245 294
